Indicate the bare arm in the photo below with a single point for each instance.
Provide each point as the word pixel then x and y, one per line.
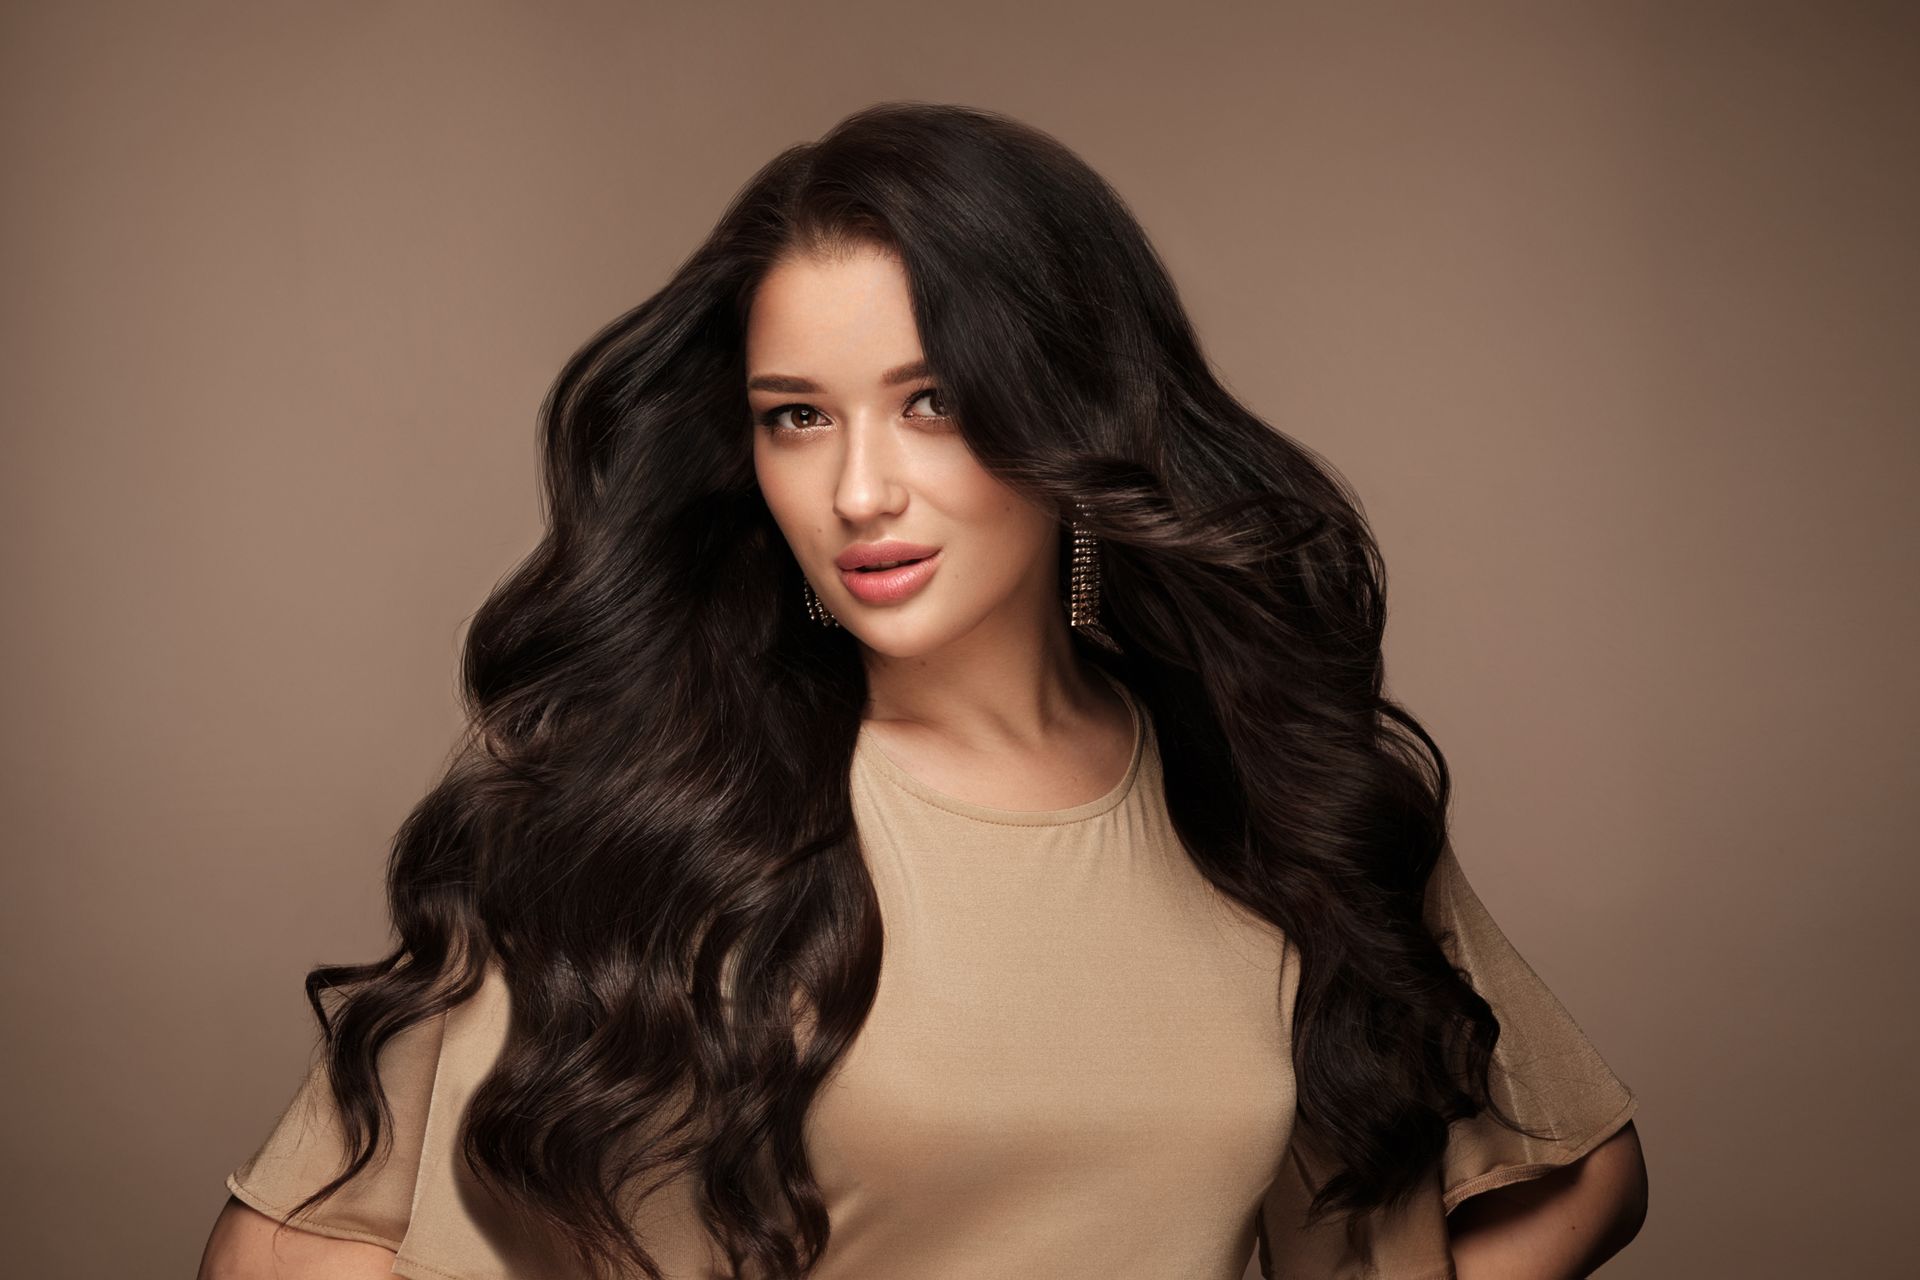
pixel 1560 1226
pixel 248 1245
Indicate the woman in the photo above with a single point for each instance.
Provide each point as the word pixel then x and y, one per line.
pixel 1063 900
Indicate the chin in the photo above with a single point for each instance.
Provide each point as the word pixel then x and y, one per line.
pixel 890 633
pixel 895 642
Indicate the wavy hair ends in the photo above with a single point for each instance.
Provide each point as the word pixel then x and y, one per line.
pixel 649 829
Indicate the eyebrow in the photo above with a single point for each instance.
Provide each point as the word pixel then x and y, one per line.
pixel 910 372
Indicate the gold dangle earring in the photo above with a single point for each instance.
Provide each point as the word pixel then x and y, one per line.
pixel 1083 579
pixel 815 609
pixel 1083 585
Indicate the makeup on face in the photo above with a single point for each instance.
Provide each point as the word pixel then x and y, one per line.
pixel 856 451
pixel 886 572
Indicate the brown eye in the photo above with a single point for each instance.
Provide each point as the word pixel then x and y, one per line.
pixel 771 418
pixel 934 392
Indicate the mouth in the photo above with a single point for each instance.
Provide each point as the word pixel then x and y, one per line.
pixel 886 584
pixel 884 565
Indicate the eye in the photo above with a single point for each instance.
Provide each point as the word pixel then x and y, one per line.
pixel 935 393
pixel 771 418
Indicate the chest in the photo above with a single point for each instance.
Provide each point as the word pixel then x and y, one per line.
pixel 1071 1018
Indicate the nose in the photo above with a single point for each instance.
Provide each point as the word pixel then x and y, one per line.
pixel 870 481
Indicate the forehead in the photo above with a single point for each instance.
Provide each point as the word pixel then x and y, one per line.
pixel 845 316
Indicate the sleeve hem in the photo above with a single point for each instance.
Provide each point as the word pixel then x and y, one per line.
pixel 1510 1174
pixel 414 1269
pixel 279 1214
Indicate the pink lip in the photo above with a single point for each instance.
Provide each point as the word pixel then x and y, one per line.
pixel 889 586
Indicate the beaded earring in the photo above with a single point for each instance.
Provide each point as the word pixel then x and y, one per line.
pixel 815 609
pixel 1083 576
pixel 1083 585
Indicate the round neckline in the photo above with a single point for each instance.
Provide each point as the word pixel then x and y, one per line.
pixel 891 769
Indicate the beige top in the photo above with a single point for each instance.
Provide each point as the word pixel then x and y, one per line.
pixel 1074 1066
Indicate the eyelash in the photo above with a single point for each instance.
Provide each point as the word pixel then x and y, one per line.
pixel 770 419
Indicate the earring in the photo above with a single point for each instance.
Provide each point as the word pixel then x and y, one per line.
pixel 1083 586
pixel 815 609
pixel 1083 579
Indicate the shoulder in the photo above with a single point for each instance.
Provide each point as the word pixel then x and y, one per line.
pixel 246 1244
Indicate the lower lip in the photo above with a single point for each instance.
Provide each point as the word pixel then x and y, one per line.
pixel 888 586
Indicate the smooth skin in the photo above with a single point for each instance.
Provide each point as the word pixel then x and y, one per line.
pixel 1559 1226
pixel 973 682
pixel 244 1246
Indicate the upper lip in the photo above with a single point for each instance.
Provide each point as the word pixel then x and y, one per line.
pixel 874 552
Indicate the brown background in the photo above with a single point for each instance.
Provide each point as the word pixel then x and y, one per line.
pixel 1606 309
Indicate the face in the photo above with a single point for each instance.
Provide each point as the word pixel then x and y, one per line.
pixel 851 448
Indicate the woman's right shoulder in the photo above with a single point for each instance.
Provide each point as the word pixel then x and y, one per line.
pixel 427 1070
pixel 246 1244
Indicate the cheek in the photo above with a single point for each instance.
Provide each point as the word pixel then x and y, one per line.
pixel 1007 533
pixel 970 494
pixel 782 486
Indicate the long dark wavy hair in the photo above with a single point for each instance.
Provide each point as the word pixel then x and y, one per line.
pixel 648 828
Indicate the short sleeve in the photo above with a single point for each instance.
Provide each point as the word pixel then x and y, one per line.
pixel 421 1200
pixel 307 1148
pixel 417 1196
pixel 1544 1072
